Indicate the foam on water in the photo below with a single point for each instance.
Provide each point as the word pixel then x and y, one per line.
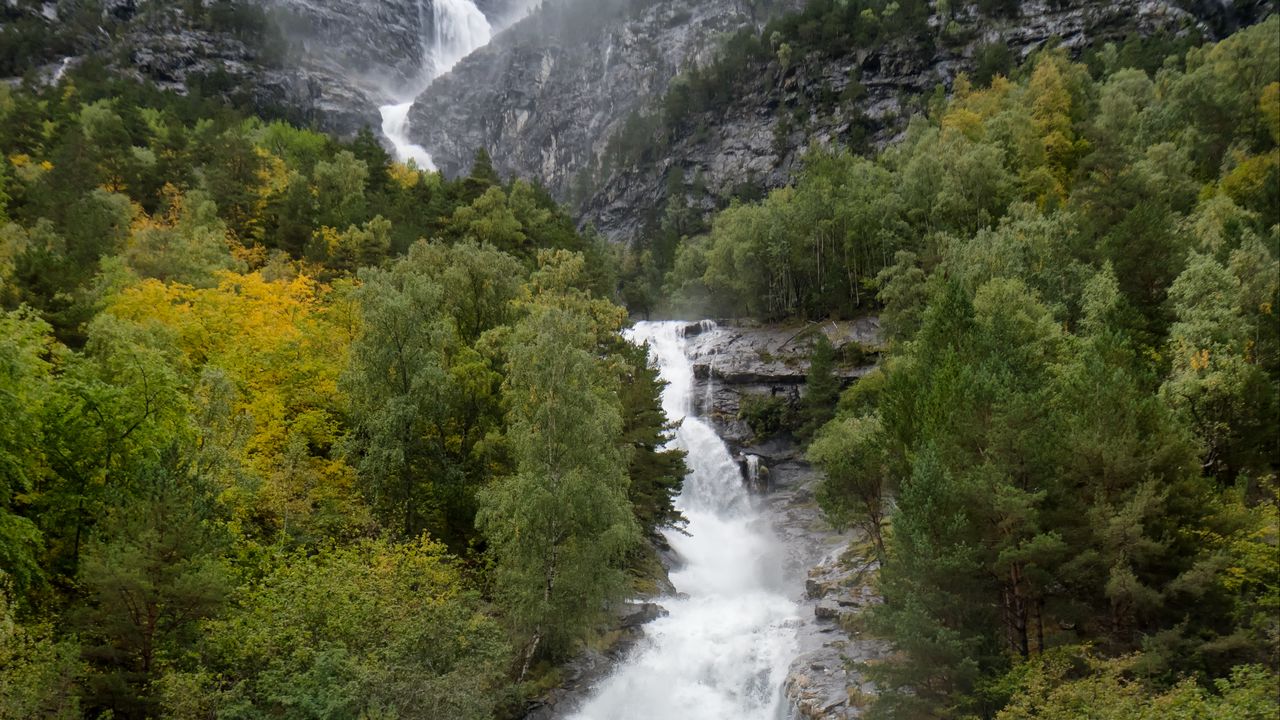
pixel 723 651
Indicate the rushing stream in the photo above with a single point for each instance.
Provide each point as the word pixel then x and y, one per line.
pixel 458 28
pixel 723 651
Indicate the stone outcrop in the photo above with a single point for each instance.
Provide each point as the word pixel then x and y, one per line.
pixel 743 358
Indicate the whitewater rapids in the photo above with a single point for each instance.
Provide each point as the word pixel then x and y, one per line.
pixel 723 651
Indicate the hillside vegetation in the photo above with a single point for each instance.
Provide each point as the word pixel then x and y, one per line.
pixel 1068 459
pixel 290 430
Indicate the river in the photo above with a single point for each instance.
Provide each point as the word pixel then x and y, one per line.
pixel 723 650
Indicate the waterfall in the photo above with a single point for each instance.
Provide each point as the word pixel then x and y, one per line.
pixel 723 651
pixel 62 69
pixel 753 474
pixel 450 30
pixel 708 401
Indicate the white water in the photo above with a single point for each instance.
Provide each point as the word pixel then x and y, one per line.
pixel 723 652
pixel 458 28
pixel 62 69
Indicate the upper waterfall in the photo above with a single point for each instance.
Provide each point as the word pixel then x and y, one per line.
pixel 450 30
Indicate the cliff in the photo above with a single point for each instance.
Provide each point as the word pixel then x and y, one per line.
pixel 863 99
pixel 324 63
pixel 545 96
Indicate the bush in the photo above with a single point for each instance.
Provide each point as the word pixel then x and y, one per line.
pixel 767 415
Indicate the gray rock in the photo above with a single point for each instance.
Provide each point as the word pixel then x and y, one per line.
pixel 545 97
pixel 827 610
pixel 640 614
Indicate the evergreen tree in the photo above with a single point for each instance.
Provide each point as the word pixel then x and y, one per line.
pixel 656 475
pixel 150 578
pixel 821 389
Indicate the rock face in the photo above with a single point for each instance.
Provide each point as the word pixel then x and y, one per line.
pixel 324 63
pixel 161 48
pixel 544 97
pixel 731 361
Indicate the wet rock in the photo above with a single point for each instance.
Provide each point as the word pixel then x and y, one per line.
pixel 827 610
pixel 815 590
pixel 736 359
pixel 641 614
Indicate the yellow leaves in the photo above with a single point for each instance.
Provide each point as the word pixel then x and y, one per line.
pixel 253 257
pixel 1200 360
pixel 27 169
pixel 404 176
pixel 1269 106
pixel 964 121
pixel 274 179
pixel 1250 183
pixel 271 337
pixel 1050 99
pixel 330 238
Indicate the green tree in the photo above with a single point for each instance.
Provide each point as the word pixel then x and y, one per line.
pixel 370 630
pixel 656 474
pixel 39 674
pixel 150 577
pixel 561 525
pixel 25 388
pixel 851 453
pixel 397 381
pixel 822 388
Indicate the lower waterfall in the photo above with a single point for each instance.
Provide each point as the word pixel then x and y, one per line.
pixel 723 651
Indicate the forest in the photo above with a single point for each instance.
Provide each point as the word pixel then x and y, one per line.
pixel 1066 461
pixel 291 430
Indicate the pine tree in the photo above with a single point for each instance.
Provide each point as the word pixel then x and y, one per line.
pixel 657 475
pixel 822 389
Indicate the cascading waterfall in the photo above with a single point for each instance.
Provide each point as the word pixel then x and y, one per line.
pixel 753 472
pixel 457 28
pixel 723 651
